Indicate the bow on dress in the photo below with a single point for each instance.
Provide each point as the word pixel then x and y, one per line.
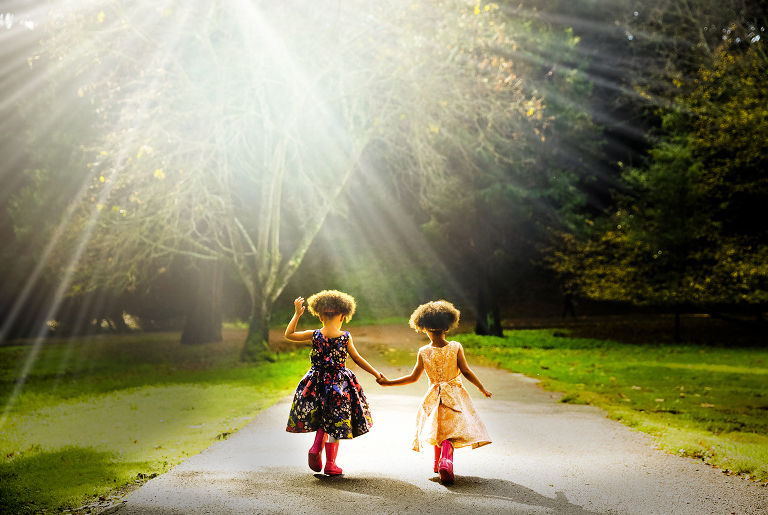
pixel 444 392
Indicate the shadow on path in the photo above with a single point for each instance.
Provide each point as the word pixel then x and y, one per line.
pixel 512 492
pixel 482 494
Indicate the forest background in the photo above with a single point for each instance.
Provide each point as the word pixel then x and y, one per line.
pixel 504 156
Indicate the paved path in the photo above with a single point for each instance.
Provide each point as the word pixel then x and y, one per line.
pixel 546 458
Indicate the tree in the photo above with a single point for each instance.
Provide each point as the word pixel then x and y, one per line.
pixel 685 236
pixel 641 56
pixel 229 133
pixel 488 224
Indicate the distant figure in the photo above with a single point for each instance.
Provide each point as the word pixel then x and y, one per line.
pixel 446 417
pixel 329 399
pixel 569 303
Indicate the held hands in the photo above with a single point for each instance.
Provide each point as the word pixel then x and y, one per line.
pixel 382 380
pixel 485 392
pixel 298 305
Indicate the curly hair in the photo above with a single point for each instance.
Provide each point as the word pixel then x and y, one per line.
pixel 330 303
pixel 439 315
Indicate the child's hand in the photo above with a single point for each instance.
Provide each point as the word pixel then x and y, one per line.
pixel 298 305
pixel 486 392
pixel 382 380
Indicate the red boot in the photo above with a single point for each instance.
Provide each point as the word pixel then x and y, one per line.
pixel 446 462
pixel 437 457
pixel 331 450
pixel 316 451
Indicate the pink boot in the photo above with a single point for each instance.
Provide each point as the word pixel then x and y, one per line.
pixel 316 451
pixel 446 462
pixel 437 457
pixel 331 450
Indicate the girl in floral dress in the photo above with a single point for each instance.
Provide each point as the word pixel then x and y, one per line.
pixel 329 399
pixel 446 418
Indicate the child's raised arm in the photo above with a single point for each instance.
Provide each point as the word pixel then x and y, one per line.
pixel 462 363
pixel 290 332
pixel 412 378
pixel 360 361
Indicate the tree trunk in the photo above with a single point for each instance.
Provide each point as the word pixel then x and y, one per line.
pixel 256 347
pixel 488 318
pixel 481 312
pixel 203 314
pixel 496 329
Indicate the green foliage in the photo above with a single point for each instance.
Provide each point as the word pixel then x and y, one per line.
pixel 707 403
pixel 727 113
pixel 53 135
pixel 686 234
pixel 485 220
pixel 97 414
pixel 646 252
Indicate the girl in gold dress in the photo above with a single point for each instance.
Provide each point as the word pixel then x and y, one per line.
pixel 447 418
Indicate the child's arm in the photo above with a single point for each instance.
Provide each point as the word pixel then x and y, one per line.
pixel 290 332
pixel 360 361
pixel 462 362
pixel 412 378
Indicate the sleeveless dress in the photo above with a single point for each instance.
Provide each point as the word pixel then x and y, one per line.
pixel 447 411
pixel 329 395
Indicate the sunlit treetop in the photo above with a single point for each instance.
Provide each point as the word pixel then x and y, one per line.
pixel 228 130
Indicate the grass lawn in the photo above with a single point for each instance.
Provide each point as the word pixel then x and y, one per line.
pixel 99 413
pixel 704 402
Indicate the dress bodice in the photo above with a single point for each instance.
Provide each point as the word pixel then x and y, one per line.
pixel 329 352
pixel 441 363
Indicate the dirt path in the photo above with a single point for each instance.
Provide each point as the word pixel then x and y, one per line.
pixel 546 458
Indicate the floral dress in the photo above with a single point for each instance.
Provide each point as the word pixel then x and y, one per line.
pixel 447 411
pixel 329 395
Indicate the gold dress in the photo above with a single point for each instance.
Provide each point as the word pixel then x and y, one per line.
pixel 447 411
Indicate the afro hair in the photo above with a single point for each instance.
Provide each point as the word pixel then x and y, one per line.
pixel 439 315
pixel 330 303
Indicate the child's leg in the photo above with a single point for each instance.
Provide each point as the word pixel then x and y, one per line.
pixel 438 451
pixel 446 462
pixel 331 450
pixel 315 458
